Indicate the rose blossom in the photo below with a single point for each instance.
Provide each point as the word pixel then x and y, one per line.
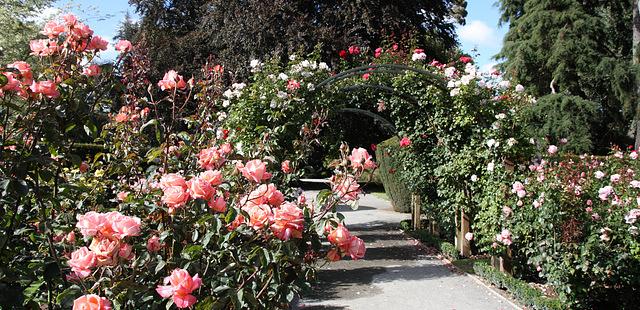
pixel 153 244
pixel 46 88
pixel 172 179
pixel 52 29
pixel 200 188
pixel 288 222
pixel 90 223
pixel 25 71
pixel 81 262
pixel 333 255
pixel 179 288
pixel 286 166
pixel 552 149
pixel 340 237
pixel 172 80
pixel 122 196
pixel 93 70
pixel 123 46
pixel 615 178
pixel 260 216
pixel 346 187
pixel 599 174
pixel 468 236
pixel 356 248
pixel 404 142
pixel 214 177
pixel 91 302
pixel 360 158
pixel 633 155
pixel 632 216
pixel 175 197
pixel 105 249
pixel 126 251
pixel 264 194
pixel 98 43
pixel 255 171
pixel 218 204
pixel 210 158
pixel 124 226
pixel 604 192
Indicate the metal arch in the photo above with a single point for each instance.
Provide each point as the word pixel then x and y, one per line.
pixel 384 123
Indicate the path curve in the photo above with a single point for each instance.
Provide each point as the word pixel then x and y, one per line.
pixel 396 273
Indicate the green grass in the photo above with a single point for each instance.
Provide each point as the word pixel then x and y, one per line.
pixel 381 195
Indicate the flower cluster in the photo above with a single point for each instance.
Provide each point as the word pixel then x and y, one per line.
pixel 345 244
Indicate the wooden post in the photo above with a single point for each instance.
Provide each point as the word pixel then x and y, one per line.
pixel 415 214
pixel 464 245
pixel 503 262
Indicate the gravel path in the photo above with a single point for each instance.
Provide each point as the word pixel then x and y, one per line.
pixel 396 273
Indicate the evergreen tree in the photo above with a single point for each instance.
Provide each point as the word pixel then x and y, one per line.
pixel 128 29
pixel 183 34
pixel 578 48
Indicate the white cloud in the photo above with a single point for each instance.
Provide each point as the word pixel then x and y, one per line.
pixel 488 68
pixel 44 15
pixel 478 33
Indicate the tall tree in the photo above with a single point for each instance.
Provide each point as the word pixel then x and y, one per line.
pixel 18 24
pixel 184 33
pixel 575 47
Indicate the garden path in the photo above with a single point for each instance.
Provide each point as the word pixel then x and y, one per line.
pixel 396 273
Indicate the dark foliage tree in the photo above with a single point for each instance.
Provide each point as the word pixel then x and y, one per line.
pixel 182 34
pixel 579 48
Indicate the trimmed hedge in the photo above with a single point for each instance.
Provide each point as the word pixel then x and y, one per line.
pixel 446 248
pixel 520 290
pixel 387 166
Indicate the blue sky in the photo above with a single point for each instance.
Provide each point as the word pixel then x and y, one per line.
pixel 481 31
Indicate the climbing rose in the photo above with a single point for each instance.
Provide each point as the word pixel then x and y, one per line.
pixel 360 158
pixel 288 222
pixel 70 19
pixel 91 302
pixel 404 142
pixel 123 46
pixel 354 50
pixel 172 80
pixel 180 287
pixel 255 171
pixel 286 166
pixel 81 262
pixel 356 248
pixel 46 88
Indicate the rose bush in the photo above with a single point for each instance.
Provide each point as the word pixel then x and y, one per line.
pixel 154 202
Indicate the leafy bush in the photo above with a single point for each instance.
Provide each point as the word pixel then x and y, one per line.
pixel 388 166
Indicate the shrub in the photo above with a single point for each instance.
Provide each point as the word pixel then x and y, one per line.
pixel 387 170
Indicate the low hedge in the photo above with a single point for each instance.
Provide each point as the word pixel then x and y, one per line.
pixel 520 290
pixel 387 166
pixel 446 248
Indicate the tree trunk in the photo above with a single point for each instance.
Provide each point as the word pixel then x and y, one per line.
pixel 636 62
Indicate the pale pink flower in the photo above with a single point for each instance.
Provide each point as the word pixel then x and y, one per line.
pixel 81 262
pixel 172 179
pixel 122 196
pixel 172 80
pixel 288 221
pixel 615 178
pixel 179 286
pixel 25 71
pixel 259 216
pixel 98 43
pixel 255 171
pixel 632 216
pixel 106 250
pixel 356 248
pixel 91 302
pixel 404 142
pixel 90 223
pixel 46 88
pixel 604 192
pixel 346 187
pixel 360 159
pixel 175 197
pixel 286 166
pixel 599 174
pixel 633 155
pixel 126 251
pixel 52 29
pixel 468 236
pixel 552 149
pixel 210 158
pixel 92 70
pixel 123 46
pixel 124 226
pixel 13 84
pixel 70 19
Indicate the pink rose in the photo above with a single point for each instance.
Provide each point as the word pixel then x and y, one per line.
pixel 293 85
pixel 175 197
pixel 333 255
pixel 288 222
pixel 340 237
pixel 356 248
pixel 354 50
pixel 259 216
pixel 81 31
pixel 98 43
pixel 81 262
pixel 43 47
pixel 25 71
pixel 106 250
pixel 286 166
pixel 172 179
pixel 12 84
pixel 124 226
pixel 91 302
pixel 218 204
pixel 255 171
pixel 404 142
pixel 378 52
pixel 214 177
pixel 210 158
pixel 90 223
pixel 360 158
pixel 346 187
pixel 126 252
pixel 172 80
pixel 154 245
pixel 200 188
pixel 179 286
pixel 226 148
pixel 46 88
pixel 552 149
pixel 122 196
pixel 93 70
pixel 70 19
pixel 52 29
pixel 633 155
pixel 468 236
pixel 123 46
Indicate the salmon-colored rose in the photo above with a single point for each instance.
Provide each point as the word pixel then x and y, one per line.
pixel 106 250
pixel 52 29
pixel 333 255
pixel 91 302
pixel 214 177
pixel 286 166
pixel 255 171
pixel 172 80
pixel 340 237
pixel 92 70
pixel 360 159
pixel 124 226
pixel 288 221
pixel 172 179
pixel 90 223
pixel 175 197
pixel 46 88
pixel 126 251
pixel 179 286
pixel 260 216
pixel 210 158
pixel 98 43
pixel 346 187
pixel 123 46
pixel 199 188
pixel 218 204
pixel 264 194
pixel 81 262
pixel 356 248
pixel 25 71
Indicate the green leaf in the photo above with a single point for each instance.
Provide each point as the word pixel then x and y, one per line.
pixel 30 292
pixel 3 80
pixel 192 251
pixel 160 265
pixel 65 298
pixel 69 127
pixel 149 123
pixel 91 129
